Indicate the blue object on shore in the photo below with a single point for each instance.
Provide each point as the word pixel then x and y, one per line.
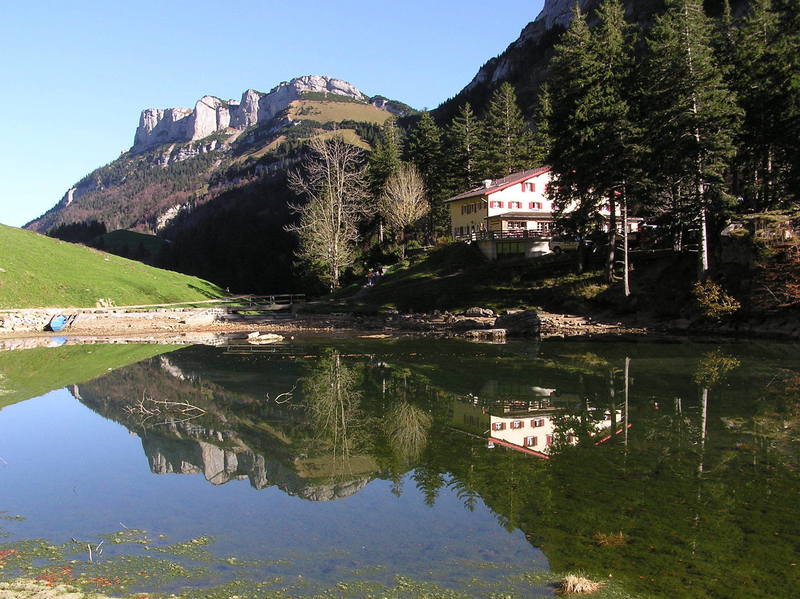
pixel 57 323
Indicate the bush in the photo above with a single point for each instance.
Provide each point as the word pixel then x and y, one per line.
pixel 714 303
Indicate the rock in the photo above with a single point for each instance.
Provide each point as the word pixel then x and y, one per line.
pixel 159 126
pixel 491 335
pixel 526 322
pixel 479 312
pixel 257 338
pixel 467 324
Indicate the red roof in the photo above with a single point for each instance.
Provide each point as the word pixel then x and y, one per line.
pixel 500 184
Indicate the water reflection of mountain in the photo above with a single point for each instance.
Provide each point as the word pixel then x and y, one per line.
pixel 687 503
pixel 242 433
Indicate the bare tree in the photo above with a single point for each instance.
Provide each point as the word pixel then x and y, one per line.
pixel 333 181
pixel 403 201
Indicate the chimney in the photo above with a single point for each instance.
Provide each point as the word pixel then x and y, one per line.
pixel 487 183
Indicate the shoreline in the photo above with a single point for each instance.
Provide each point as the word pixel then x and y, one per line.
pixel 215 327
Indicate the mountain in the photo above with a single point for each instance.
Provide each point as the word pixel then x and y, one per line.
pixel 183 157
pixel 212 179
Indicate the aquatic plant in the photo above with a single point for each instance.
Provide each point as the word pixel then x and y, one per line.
pixel 573 585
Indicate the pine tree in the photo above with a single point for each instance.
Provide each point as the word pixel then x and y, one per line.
pixel 573 70
pixel 462 139
pixel 542 139
pixel 385 158
pixel 425 152
pixel 508 141
pixel 595 140
pixel 787 54
pixel 693 114
pixel 754 78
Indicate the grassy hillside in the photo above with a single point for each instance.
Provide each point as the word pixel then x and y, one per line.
pixel 336 112
pixel 457 276
pixel 38 271
pixel 33 372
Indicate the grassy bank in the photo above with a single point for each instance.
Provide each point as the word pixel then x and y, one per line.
pixel 38 271
pixel 457 276
pixel 33 372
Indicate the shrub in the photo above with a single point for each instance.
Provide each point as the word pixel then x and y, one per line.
pixel 713 301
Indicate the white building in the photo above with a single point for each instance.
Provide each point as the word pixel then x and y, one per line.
pixel 512 214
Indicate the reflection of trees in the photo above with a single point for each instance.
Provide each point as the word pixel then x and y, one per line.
pixel 333 404
pixel 407 427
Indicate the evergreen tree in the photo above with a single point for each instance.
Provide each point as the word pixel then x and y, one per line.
pixel 463 138
pixel 425 152
pixel 385 158
pixel 573 70
pixel 693 114
pixel 595 140
pixel 787 53
pixel 754 77
pixel 508 141
pixel 542 138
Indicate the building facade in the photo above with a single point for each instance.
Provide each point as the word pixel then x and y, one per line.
pixel 512 204
pixel 512 215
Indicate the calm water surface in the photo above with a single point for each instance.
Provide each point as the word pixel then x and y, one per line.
pixel 672 468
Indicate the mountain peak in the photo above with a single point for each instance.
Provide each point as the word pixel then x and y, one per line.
pixel 159 126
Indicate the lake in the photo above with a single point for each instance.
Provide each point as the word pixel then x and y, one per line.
pixel 349 467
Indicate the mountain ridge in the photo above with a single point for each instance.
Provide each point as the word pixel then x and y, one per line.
pixel 219 143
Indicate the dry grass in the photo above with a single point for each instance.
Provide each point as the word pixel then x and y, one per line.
pixel 336 112
pixel 610 540
pixel 573 585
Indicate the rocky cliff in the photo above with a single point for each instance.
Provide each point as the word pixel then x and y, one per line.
pixel 210 114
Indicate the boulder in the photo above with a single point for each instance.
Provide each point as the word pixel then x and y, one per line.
pixel 526 322
pixel 468 324
pixel 479 312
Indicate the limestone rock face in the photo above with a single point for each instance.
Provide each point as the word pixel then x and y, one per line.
pixel 558 12
pixel 210 114
pixel 157 126
pixel 246 113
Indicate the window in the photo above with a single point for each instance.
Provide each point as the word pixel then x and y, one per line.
pixel 496 204
pixel 515 204
pixel 535 205
pixel 513 224
pixel 537 422
pixel 517 424
pixel 530 441
pixel 529 186
pixel 549 440
pixel 498 426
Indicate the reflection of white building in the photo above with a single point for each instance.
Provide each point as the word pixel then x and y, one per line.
pixel 536 432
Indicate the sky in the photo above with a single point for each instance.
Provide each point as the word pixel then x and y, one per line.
pixel 76 75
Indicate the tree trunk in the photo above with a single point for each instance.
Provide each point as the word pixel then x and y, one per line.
pixel 702 266
pixel 625 269
pixel 612 238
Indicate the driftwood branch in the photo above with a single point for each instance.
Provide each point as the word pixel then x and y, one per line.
pixel 97 550
pixel 148 408
pixel 283 397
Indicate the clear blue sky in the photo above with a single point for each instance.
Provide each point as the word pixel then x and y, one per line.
pixel 76 75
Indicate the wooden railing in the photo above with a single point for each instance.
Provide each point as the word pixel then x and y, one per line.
pixel 507 234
